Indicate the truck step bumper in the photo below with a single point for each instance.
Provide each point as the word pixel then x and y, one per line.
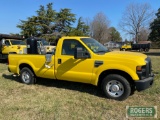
pixel 144 84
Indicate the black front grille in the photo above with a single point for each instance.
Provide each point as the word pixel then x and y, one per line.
pixel 148 67
pixel 146 70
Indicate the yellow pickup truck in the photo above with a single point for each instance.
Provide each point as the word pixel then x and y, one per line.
pixel 126 47
pixel 118 73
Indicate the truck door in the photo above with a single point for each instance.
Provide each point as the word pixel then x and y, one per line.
pixel 6 48
pixel 69 68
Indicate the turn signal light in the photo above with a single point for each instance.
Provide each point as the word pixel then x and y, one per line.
pixel 139 68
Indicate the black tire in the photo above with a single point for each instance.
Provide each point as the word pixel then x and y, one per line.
pixel 27 76
pixel 141 50
pixel 116 87
pixel 146 50
pixel 133 89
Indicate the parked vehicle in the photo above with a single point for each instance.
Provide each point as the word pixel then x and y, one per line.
pixel 46 45
pixel 52 43
pixel 118 74
pixel 139 47
pixel 10 44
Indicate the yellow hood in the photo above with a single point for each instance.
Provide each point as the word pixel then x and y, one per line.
pixel 124 57
pixel 131 55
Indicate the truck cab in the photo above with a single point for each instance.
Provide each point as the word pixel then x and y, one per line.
pixel 126 46
pixel 11 44
pixel 14 46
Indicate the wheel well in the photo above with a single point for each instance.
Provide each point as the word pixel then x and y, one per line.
pixel 119 72
pixel 26 65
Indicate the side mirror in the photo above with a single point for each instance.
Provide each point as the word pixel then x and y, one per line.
pixel 48 58
pixel 81 54
pixel 3 42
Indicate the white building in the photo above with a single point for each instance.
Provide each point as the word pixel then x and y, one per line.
pixel 112 44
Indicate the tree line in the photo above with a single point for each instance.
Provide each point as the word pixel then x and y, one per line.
pixel 138 21
pixel 49 23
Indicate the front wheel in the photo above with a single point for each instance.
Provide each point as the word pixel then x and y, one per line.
pixel 27 76
pixel 141 50
pixel 116 87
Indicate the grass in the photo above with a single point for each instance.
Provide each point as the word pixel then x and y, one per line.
pixel 60 100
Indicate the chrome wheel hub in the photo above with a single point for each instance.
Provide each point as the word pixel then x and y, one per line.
pixel 115 88
pixel 26 77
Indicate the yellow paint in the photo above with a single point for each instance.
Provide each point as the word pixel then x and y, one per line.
pixel 79 70
pixel 126 47
pixel 18 49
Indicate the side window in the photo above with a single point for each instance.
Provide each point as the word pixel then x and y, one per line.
pixel 68 46
pixel 7 43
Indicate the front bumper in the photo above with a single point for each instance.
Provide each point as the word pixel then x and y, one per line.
pixel 145 83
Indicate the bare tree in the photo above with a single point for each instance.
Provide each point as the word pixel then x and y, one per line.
pixel 135 17
pixel 143 34
pixel 99 27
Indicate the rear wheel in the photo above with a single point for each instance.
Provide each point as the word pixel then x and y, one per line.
pixel 27 76
pixel 140 50
pixel 146 50
pixel 116 87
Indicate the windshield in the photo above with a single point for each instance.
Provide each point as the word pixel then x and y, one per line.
pixel 44 42
pixel 94 45
pixel 17 42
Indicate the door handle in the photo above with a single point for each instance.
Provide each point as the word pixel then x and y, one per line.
pixel 59 61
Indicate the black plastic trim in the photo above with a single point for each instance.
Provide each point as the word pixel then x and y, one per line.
pixel 145 83
pixel 98 63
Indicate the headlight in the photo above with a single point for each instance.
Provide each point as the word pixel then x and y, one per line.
pixel 141 71
pixel 139 68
